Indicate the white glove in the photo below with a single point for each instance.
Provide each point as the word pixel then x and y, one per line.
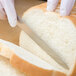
pixel 65 7
pixel 7 10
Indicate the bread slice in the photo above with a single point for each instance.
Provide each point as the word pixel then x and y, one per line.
pixel 58 32
pixel 26 62
pixel 7 70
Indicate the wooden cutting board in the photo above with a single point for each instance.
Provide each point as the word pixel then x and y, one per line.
pixel 12 34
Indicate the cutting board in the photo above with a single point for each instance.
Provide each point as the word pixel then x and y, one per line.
pixel 12 34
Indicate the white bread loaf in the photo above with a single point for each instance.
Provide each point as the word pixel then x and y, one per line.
pixel 58 32
pixel 7 70
pixel 26 62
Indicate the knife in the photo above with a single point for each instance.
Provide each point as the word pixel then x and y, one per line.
pixel 40 42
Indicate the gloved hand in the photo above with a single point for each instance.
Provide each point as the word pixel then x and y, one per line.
pixel 7 10
pixel 65 7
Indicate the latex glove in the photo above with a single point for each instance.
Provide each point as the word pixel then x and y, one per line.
pixel 7 10
pixel 65 7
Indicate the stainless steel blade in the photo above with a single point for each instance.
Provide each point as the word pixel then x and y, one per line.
pixel 41 43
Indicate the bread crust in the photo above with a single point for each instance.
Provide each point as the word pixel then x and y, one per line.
pixel 43 6
pixel 30 69
pixel 73 70
pixel 5 51
pixel 24 66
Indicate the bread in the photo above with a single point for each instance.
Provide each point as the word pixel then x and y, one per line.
pixel 26 62
pixel 58 32
pixel 7 70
